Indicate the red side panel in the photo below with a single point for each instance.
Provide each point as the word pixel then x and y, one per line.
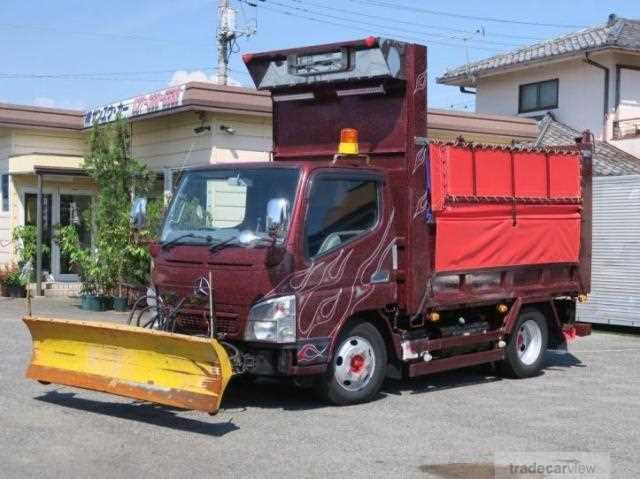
pixel 497 208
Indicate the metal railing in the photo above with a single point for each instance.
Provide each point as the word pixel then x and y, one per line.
pixel 626 128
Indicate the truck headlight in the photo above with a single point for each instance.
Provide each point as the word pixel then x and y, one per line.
pixel 272 321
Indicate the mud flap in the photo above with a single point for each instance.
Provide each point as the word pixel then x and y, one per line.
pixel 166 368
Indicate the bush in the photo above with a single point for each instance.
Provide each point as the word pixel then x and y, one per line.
pixel 11 276
pixel 26 241
pixel 5 271
pixel 86 262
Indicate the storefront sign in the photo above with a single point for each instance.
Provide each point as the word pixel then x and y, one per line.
pixel 140 105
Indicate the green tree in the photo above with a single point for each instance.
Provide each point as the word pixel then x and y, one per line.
pixel 118 176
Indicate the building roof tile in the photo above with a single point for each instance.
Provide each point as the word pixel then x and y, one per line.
pixel 608 160
pixel 621 33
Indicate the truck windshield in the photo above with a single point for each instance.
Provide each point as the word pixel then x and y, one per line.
pixel 230 206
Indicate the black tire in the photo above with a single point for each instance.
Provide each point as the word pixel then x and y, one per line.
pixel 518 362
pixel 333 388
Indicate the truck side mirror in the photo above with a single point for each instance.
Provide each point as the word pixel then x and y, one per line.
pixel 277 216
pixel 138 215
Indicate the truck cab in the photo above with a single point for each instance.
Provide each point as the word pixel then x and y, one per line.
pixel 346 258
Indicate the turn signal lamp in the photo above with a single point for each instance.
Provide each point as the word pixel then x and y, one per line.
pixel 583 298
pixel 434 317
pixel 502 308
pixel 348 142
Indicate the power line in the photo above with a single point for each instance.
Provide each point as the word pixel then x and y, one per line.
pixel 413 23
pixel 111 79
pixel 463 16
pixel 107 76
pixel 351 26
pixel 377 25
pixel 71 31
pixel 94 74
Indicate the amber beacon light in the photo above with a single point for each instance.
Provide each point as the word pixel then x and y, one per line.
pixel 348 142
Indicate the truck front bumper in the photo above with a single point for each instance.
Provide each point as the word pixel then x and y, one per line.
pixel 303 358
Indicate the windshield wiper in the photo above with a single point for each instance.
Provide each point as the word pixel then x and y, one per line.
pixel 174 241
pixel 218 246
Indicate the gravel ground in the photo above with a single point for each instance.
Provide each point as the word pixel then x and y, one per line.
pixel 448 425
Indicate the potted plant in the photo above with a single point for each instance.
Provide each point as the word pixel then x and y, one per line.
pixel 116 175
pixel 5 269
pixel 105 267
pixel 88 265
pixel 25 238
pixel 15 282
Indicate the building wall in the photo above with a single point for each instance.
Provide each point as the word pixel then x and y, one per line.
pixel 449 125
pixel 20 150
pixel 629 107
pixel 5 223
pixel 6 139
pixel 580 94
pixel 170 142
pixel 50 142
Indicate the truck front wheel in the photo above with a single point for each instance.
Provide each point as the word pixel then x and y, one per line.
pixel 358 368
pixel 526 346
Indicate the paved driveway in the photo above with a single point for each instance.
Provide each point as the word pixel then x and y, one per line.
pixel 448 425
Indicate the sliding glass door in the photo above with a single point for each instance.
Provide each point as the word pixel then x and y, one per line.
pixel 75 210
pixel 30 218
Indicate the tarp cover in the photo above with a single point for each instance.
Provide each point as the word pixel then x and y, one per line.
pixel 497 207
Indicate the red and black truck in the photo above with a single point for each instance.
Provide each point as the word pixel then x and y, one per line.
pixel 363 250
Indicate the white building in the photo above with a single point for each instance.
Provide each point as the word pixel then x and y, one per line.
pixel 586 79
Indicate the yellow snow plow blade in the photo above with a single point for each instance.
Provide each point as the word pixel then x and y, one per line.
pixel 174 369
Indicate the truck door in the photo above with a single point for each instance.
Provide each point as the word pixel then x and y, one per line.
pixel 349 249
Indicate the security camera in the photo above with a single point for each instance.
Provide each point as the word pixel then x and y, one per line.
pixel 199 129
pixel 227 129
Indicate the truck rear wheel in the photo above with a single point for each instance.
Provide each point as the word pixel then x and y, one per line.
pixel 357 370
pixel 526 346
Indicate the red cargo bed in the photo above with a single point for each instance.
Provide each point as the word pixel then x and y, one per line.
pixel 498 207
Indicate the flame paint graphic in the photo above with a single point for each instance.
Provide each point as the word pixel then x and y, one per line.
pixel 310 352
pixel 421 82
pixel 324 274
pixel 422 204
pixel 421 157
pixel 361 288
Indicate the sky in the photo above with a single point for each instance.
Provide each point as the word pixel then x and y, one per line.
pixel 80 54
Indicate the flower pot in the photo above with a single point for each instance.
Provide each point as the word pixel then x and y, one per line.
pixel 107 302
pixel 4 291
pixel 93 302
pixel 121 304
pixel 84 302
pixel 17 291
pixel 89 302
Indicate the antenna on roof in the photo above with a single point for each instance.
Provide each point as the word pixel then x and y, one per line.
pixel 479 31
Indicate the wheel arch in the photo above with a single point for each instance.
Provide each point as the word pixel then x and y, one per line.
pixel 550 312
pixel 377 320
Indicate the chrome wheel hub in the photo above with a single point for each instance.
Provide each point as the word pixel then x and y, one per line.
pixel 529 342
pixel 354 363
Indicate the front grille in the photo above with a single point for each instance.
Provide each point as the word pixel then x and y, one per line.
pixel 198 322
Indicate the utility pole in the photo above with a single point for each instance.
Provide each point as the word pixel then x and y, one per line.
pixel 226 37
